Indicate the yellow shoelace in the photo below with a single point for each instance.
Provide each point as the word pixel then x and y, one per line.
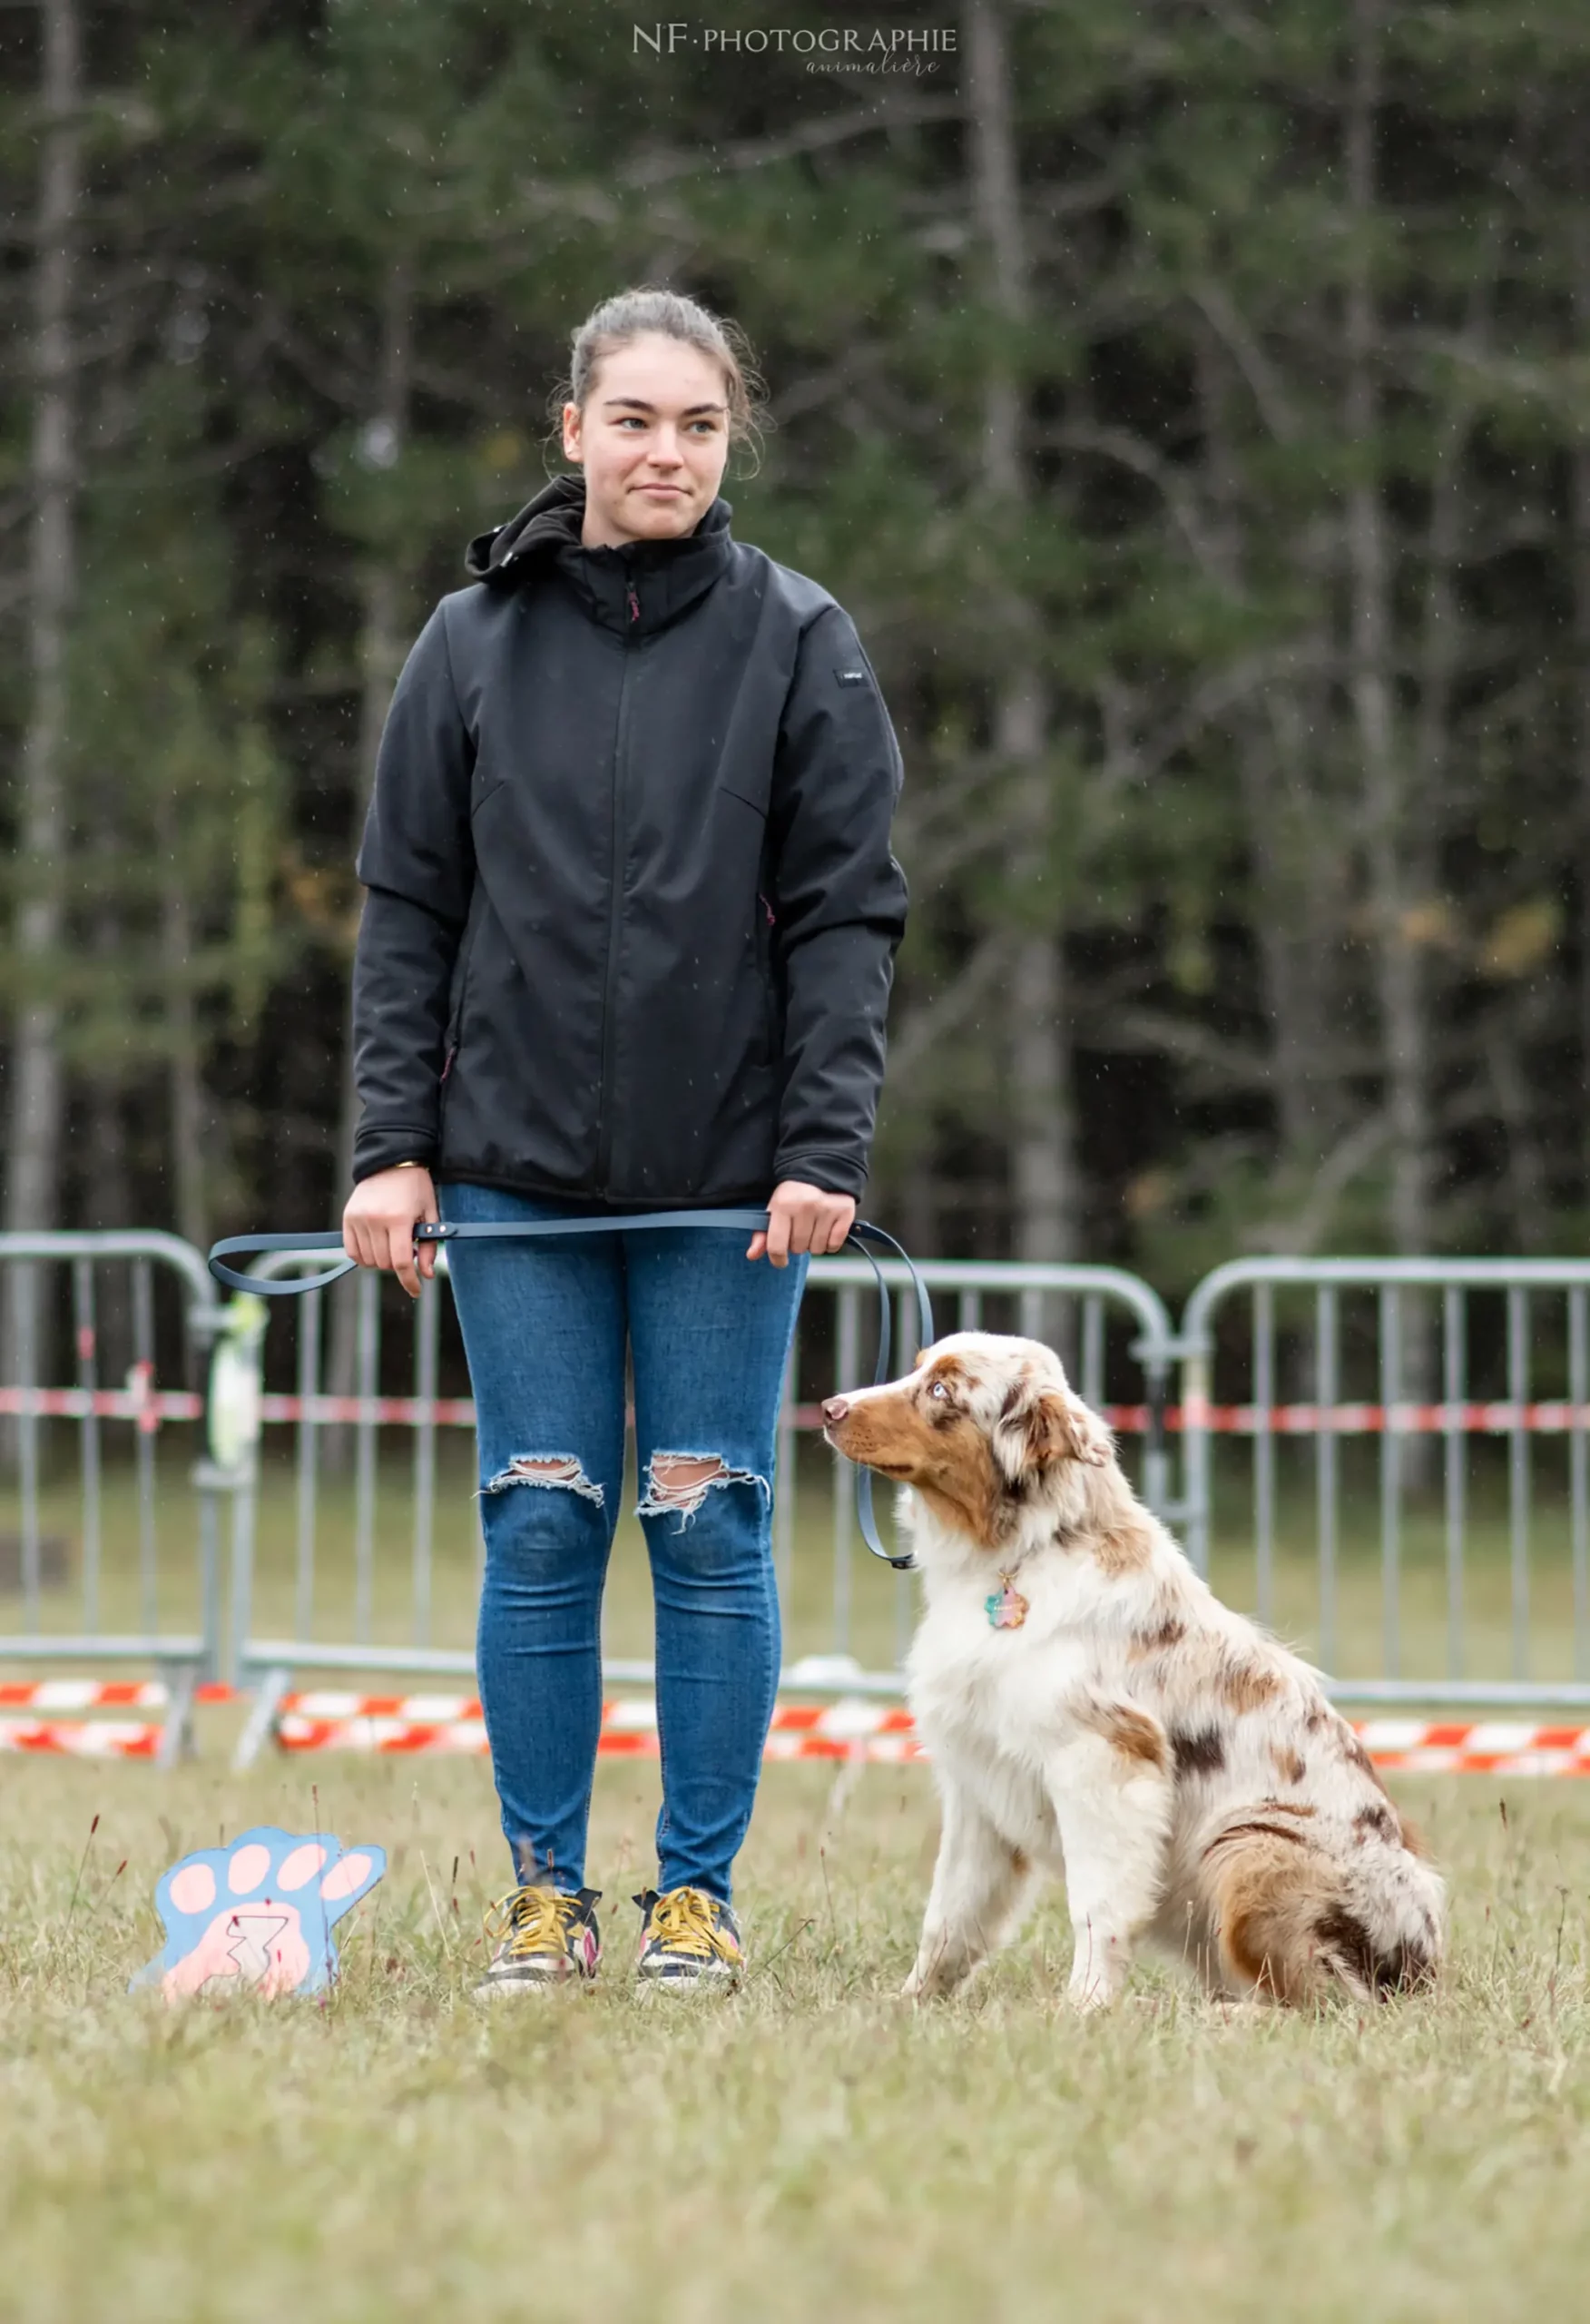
pixel 683 1920
pixel 531 1920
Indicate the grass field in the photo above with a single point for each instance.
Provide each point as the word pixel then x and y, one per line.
pixel 811 2147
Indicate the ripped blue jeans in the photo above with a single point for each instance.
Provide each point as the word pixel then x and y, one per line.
pixel 545 1326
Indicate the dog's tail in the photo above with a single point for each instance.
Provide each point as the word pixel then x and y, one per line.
pixel 1294 1923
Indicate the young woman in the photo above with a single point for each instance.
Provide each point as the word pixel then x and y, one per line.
pixel 627 946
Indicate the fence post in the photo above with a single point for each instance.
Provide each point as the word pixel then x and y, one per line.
pixel 1155 1361
pixel 232 1432
pixel 1195 1450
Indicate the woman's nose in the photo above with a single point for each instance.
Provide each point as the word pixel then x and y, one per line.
pixel 835 1407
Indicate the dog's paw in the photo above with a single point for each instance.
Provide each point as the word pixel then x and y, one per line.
pixel 927 1983
pixel 937 1983
pixel 1089 1995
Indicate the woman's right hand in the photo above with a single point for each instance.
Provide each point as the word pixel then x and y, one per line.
pixel 378 1223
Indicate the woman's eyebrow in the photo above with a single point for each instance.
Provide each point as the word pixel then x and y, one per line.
pixel 639 403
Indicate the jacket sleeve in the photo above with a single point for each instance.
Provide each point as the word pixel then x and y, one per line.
pixel 840 901
pixel 416 860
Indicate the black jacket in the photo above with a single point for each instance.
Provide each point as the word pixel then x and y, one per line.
pixel 632 914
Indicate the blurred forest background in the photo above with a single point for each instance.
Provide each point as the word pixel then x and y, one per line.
pixel 1190 399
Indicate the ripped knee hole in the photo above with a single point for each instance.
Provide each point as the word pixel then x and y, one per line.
pixel 557 1470
pixel 678 1483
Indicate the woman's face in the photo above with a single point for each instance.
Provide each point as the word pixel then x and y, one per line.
pixel 652 441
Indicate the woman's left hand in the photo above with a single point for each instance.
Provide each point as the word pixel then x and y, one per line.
pixel 802 1219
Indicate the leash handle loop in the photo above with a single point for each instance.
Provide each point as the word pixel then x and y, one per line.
pixel 289 1287
pixel 866 1516
pixel 861 1235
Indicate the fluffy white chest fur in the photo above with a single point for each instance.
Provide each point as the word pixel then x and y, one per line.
pixel 1094 1712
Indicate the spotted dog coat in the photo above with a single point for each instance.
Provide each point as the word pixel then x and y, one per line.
pixel 1177 1767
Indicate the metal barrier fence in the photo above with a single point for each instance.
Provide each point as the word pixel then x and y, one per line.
pixel 1117 1328
pixel 1439 1405
pixel 1398 1477
pixel 132 1603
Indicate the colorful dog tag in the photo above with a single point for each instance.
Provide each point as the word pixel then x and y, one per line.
pixel 257 1916
pixel 1007 1609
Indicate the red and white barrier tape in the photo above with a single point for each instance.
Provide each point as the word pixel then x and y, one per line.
pixel 872 1731
pixel 1492 1419
pixel 145 1403
pixel 1479 1746
pixel 151 1407
pixel 1543 1419
pixel 99 1694
pixel 86 1739
pixel 90 1738
pixel 83 1694
pixel 450 1725
pixel 335 1703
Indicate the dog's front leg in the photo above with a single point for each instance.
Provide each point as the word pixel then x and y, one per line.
pixel 981 1886
pixel 1114 1806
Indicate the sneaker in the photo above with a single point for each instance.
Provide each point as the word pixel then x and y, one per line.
pixel 689 1941
pixel 542 1936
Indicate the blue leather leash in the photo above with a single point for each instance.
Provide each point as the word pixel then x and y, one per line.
pixel 493 1230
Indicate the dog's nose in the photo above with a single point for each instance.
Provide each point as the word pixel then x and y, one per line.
pixel 835 1407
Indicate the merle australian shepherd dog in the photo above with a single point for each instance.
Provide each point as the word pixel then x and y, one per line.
pixel 1093 1711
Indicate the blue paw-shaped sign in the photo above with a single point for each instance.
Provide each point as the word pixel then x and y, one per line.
pixel 257 1916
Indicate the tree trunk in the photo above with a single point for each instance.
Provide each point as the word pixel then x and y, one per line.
pixel 1582 752
pixel 1439 662
pixel 381 653
pixel 34 1126
pixel 1042 1156
pixel 1397 844
pixel 1043 1131
pixel 1291 932
pixel 1527 1190
pixel 106 1198
pixel 185 1074
pixel 381 646
pixel 1390 813
pixel 1580 581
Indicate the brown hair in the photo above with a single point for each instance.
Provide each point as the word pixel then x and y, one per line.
pixel 632 313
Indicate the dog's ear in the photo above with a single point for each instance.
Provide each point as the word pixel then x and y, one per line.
pixel 1038 1426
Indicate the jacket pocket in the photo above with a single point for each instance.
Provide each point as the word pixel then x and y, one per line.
pixel 489 786
pixel 745 799
pixel 772 1031
pixel 455 1033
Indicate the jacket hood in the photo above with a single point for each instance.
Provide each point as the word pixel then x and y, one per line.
pixel 634 589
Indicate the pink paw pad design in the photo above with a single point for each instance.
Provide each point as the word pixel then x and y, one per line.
pixel 257 1916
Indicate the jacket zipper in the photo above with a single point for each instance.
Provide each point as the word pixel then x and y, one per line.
pixel 614 904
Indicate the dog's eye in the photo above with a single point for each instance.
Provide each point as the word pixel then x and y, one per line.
pixel 938 1388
